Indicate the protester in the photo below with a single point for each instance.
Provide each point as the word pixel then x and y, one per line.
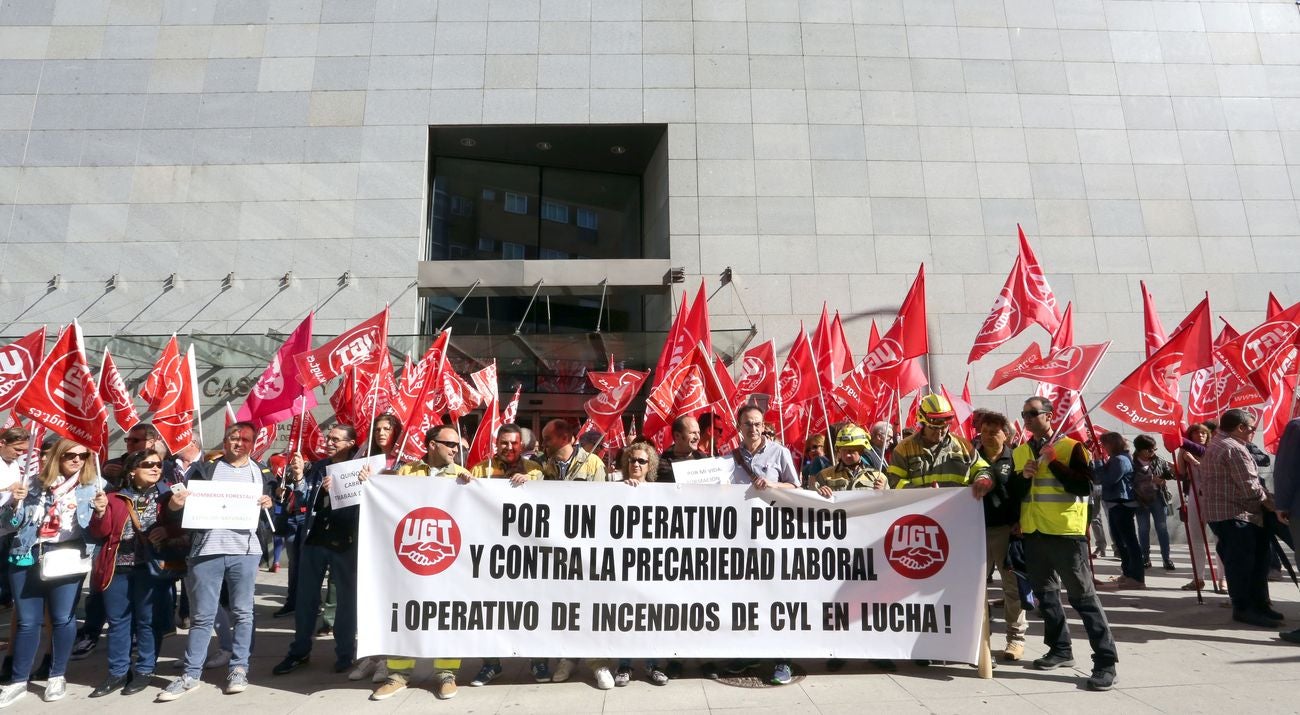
pixel 328 541
pixel 442 445
pixel 685 446
pixel 14 444
pixel 640 464
pixel 222 556
pixel 882 434
pixel 1235 501
pixel 1053 520
pixel 385 439
pixel 1150 473
pixel 814 459
pixel 1286 485
pixel 291 494
pixel 1001 522
pixel 51 513
pixel 1188 471
pixel 565 460
pixel 850 470
pixel 137 535
pixel 509 461
pixel 933 456
pixel 1115 474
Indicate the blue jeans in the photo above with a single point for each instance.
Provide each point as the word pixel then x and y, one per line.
pixel 311 574
pixel 293 545
pixel 1123 531
pixel 1145 515
pixel 32 596
pixel 131 601
pixel 204 583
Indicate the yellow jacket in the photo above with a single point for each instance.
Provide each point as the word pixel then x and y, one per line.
pixel 843 478
pixel 420 469
pixel 953 462
pixel 494 467
pixel 583 467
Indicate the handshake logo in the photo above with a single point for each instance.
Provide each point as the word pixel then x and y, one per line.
pixel 916 546
pixel 427 541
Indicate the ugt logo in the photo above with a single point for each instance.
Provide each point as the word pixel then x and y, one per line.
pixel 427 541
pixel 916 546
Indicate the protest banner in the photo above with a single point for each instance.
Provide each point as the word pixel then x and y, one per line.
pixel 345 479
pixel 565 569
pixel 715 470
pixel 222 505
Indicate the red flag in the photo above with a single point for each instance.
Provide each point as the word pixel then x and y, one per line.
pixel 512 407
pixel 1064 334
pixel 759 377
pixel 176 402
pixel 155 384
pixel 697 323
pixel 821 350
pixel 841 353
pixel 798 379
pixel 874 338
pixel 1250 355
pixel 373 390
pixel 361 345
pixel 964 411
pixel 687 389
pixel 305 436
pixel 1145 399
pixel 483 445
pixel 909 419
pixel 485 383
pixel 460 396
pixel 262 442
pixel 724 378
pixel 675 345
pixel 1215 389
pixel 1069 367
pixel 1155 332
pixel 112 390
pixel 906 338
pixel 62 394
pixel 1026 298
pixel 416 375
pixel 18 361
pixel 1274 307
pixel 279 394
pixel 342 400
pixel 1279 410
pixel 617 390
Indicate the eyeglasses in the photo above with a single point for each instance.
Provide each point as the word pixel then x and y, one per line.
pixel 638 460
pixel 446 443
pixel 83 456
pixel 151 464
pixel 1031 414
pixel 1249 428
pixel 337 439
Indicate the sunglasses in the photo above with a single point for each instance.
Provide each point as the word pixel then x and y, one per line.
pixel 638 460
pixel 447 443
pixel 1031 414
pixel 151 464
pixel 83 456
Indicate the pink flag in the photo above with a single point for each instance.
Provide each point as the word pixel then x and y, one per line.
pixel 279 394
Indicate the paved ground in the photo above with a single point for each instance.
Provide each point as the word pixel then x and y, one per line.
pixel 1176 656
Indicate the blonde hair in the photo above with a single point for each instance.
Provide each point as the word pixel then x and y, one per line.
pixel 51 473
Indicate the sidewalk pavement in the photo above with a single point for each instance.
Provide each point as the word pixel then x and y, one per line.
pixel 1175 656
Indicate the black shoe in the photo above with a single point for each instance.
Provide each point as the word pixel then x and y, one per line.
pixel 674 670
pixel 284 611
pixel 43 671
pixel 1290 636
pixel 7 669
pixel 290 664
pixel 834 665
pixel 1146 564
pixel 342 666
pixel 1250 618
pixel 1275 615
pixel 110 685
pixel 1169 565
pixel 1102 679
pixel 710 670
pixel 324 630
pixel 1052 661
pixel 922 662
pixel 139 681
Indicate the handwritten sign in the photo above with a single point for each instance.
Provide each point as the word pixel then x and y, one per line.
pixel 715 470
pixel 345 479
pixel 222 505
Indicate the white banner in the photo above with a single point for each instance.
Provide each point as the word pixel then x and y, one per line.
pixel 222 505
pixel 345 479
pixel 714 470
pixel 569 569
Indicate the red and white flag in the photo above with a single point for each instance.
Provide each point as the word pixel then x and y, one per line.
pixel 263 440
pixel 688 389
pixel 176 401
pixel 361 345
pixel 830 349
pixel 485 383
pixel 373 389
pixel 1154 331
pixel 62 394
pixel 512 407
pixel 617 391
pixel 112 390
pixel 759 376
pixel 155 385
pixel 18 361
pixel 1215 389
pixel 1145 399
pixel 416 375
pixel 1025 299
pixel 1251 355
pixel 798 379
pixel 890 359
pixel 306 437
pixel 279 394
pixel 1068 368
pixel 483 446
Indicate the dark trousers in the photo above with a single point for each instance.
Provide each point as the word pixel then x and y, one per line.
pixel 311 576
pixel 1059 561
pixel 1244 550
pixel 1123 532
pixel 293 544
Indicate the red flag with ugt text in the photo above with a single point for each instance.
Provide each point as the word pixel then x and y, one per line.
pixel 1069 367
pixel 18 361
pixel 279 393
pixel 1250 355
pixel 906 338
pixel 687 389
pixel 512 407
pixel 416 375
pixel 1146 398
pixel 798 379
pixel 485 383
pixel 176 402
pixel 759 376
pixel 263 440
pixel 1025 299
pixel 359 346
pixel 1215 389
pixel 112 390
pixel 305 436
pixel 62 394
pixel 342 400
pixel 373 389
pixel 155 384
pixel 617 390
pixel 675 344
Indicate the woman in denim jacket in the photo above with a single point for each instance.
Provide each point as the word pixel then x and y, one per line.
pixel 1116 477
pixel 50 513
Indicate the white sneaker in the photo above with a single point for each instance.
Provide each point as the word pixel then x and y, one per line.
pixel 55 689
pixel 12 693
pixel 364 669
pixel 604 679
pixel 563 669
pixel 381 671
pixel 220 659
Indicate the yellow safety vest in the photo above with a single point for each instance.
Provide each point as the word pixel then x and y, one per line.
pixel 1049 508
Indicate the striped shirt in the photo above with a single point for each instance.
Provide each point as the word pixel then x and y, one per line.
pixel 1229 482
pixel 236 542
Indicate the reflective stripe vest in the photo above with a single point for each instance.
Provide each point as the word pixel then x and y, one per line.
pixel 951 463
pixel 1049 508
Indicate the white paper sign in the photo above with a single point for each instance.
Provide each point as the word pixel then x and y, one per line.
pixel 715 470
pixel 345 479
pixel 222 505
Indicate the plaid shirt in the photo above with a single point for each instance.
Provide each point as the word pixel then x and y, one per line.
pixel 1230 483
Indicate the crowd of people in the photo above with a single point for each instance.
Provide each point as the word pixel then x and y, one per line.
pixel 112 534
